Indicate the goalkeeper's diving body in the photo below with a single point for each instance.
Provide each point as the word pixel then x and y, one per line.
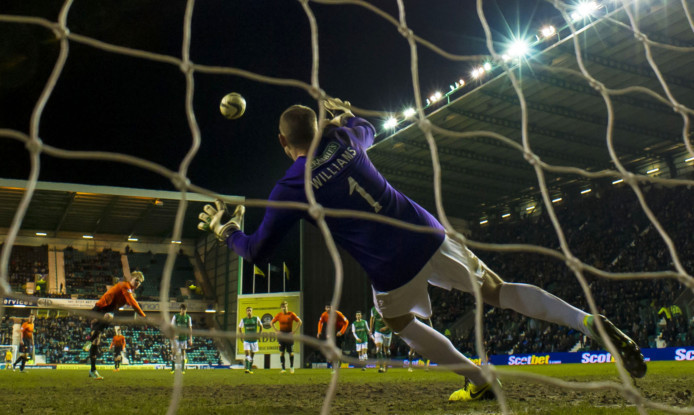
pixel 400 263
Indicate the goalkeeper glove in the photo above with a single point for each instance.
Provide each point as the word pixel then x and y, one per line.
pixel 217 220
pixel 338 110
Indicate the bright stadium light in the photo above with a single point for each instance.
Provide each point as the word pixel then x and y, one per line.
pixel 390 123
pixel 689 159
pixel 87 237
pixel 475 73
pixel 132 239
pixel 482 222
pixel 487 66
pixel 586 191
pixel 41 234
pixel 505 215
pixel 409 113
pixel 557 200
pixel 653 170
pixel 618 181
pixel 176 242
pixel 461 82
pixel 584 10
pixel 529 208
pixel 547 31
pixel 518 49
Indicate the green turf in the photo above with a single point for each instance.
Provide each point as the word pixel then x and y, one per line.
pixel 269 392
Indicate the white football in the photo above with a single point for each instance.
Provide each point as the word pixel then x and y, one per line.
pixel 232 106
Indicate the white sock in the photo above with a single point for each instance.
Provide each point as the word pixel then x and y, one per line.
pixel 436 347
pixel 537 303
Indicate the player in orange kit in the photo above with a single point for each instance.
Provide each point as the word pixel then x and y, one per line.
pixel 26 347
pixel 341 325
pixel 109 303
pixel 286 319
pixel 118 346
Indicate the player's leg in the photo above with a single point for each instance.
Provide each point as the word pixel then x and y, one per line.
pixel 254 349
pixel 184 359
pixel 532 301
pixel 93 355
pixel 386 340
pixel 283 347
pixel 379 352
pixel 290 351
pixel 174 355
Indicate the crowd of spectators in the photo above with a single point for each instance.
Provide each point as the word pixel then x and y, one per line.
pixel 28 264
pixel 60 340
pixel 607 229
pixel 90 274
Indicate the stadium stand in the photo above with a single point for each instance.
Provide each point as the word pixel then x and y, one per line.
pixel 60 340
pixel 608 230
pixel 152 265
pixel 27 264
pixel 90 274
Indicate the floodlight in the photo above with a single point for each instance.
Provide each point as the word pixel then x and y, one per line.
pixel 487 66
pixel 409 113
pixel 689 159
pixel 548 31
pixel 583 10
pixel 482 222
pixel 505 215
pixel 461 82
pixel 87 237
pixel 132 239
pixel 653 170
pixel 586 191
pixel 438 95
pixel 176 242
pixel 518 48
pixel 618 181
pixel 557 200
pixel 390 123
pixel 530 207
pixel 41 234
pixel 475 73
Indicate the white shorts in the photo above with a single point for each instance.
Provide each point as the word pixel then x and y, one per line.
pixel 362 346
pixel 449 267
pixel 180 345
pixel 250 346
pixel 383 338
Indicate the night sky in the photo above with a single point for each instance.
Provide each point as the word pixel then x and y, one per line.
pixel 109 102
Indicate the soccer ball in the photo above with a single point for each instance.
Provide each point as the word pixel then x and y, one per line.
pixel 233 105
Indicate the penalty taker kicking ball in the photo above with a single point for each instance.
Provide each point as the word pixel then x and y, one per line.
pixel 233 105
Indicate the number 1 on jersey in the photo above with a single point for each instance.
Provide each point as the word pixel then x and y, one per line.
pixel 353 185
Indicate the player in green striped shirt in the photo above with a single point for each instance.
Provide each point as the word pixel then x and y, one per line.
pixel 183 340
pixel 382 335
pixel 249 329
pixel 361 331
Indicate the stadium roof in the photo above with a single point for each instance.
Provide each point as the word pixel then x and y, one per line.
pixel 72 210
pixel 567 118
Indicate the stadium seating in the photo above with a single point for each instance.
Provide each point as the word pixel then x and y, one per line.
pixel 608 230
pixel 27 264
pixel 89 274
pixel 60 339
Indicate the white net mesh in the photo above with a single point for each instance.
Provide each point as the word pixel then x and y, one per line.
pixel 626 18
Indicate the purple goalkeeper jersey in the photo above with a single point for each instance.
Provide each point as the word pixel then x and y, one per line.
pixel 343 177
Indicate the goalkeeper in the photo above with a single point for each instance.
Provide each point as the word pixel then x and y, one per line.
pixel 400 263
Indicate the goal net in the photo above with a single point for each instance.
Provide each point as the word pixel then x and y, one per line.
pixel 628 61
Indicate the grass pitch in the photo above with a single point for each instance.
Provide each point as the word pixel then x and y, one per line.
pixel 269 392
